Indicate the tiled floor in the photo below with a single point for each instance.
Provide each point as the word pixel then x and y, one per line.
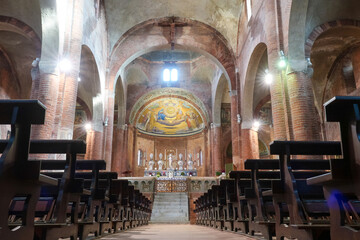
pixel 175 232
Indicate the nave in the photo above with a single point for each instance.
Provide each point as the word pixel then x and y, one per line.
pixel 175 232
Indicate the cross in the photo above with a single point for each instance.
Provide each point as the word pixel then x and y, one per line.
pixel 172 24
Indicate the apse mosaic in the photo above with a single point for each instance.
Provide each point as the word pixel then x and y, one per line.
pixel 170 116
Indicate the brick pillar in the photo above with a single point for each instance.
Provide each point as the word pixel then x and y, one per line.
pixel 355 57
pixel 117 150
pixel 108 131
pixel 235 133
pixel 274 45
pixel 206 154
pixel 45 90
pixel 216 149
pixel 304 118
pixel 130 147
pixel 94 141
pixel 278 107
pixel 72 51
pixel 249 144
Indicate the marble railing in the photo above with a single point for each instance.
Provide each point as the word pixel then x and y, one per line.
pixel 194 184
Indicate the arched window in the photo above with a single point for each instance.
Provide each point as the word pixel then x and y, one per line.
pixel 170 75
pixel 174 75
pixel 166 75
pixel 248 9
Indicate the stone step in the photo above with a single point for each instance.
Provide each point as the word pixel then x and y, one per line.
pixel 170 208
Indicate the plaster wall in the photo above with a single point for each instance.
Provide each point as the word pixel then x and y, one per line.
pixel 222 15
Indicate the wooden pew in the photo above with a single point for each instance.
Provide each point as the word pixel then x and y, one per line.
pixel 209 215
pixel 91 210
pixel 261 213
pixel 18 176
pixel 241 215
pixel 301 210
pixel 212 204
pixel 91 199
pixel 60 222
pixel 341 185
pixel 126 203
pixel 230 199
pixel 118 188
pixel 220 202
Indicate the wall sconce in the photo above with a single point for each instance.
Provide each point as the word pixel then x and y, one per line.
pixel 238 118
pixel 106 121
pixel 282 62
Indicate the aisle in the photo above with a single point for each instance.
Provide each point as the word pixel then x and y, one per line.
pixel 175 232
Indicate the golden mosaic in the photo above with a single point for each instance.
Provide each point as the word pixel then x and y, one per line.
pixel 170 116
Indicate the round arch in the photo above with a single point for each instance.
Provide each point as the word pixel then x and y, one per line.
pixel 248 91
pixel 150 35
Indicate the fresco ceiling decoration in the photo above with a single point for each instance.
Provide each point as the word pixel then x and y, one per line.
pixel 167 115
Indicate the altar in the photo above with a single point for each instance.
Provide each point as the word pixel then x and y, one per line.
pixel 170 173
pixel 170 168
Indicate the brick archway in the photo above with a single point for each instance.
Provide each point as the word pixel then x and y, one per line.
pixel 156 34
pixel 25 29
pixel 317 31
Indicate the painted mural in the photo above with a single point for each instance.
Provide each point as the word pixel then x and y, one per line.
pixel 170 116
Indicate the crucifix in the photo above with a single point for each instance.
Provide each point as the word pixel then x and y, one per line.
pixel 172 24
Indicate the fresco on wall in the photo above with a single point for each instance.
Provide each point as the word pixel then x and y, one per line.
pixel 225 114
pixel 265 115
pixel 170 116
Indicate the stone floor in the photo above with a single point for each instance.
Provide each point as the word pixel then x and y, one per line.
pixel 175 232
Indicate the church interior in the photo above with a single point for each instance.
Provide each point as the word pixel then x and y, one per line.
pixel 239 115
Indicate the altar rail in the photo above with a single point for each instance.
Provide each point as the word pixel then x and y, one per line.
pixel 193 184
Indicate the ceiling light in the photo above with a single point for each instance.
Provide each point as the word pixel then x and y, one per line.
pixel 65 65
pixel 268 77
pixel 256 125
pixel 282 62
pixel 87 126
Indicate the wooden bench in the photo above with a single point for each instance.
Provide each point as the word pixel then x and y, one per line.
pixel 341 185
pixel 241 215
pixel 18 176
pixel 230 198
pixel 261 213
pixel 50 204
pixel 118 192
pixel 301 210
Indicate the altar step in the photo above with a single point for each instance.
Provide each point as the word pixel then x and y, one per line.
pixel 170 208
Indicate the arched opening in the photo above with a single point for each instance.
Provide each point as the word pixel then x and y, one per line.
pixel 89 113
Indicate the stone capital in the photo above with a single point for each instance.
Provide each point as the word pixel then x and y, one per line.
pixel 233 93
pixel 246 125
pixel 48 67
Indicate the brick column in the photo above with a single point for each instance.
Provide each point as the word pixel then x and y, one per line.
pixel 235 133
pixel 216 148
pixel 94 141
pixel 118 150
pixel 45 90
pixel 304 118
pixel 72 51
pixel 108 131
pixel 278 106
pixel 130 148
pixel 355 57
pixel 249 144
pixel 206 154
pixel 274 45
